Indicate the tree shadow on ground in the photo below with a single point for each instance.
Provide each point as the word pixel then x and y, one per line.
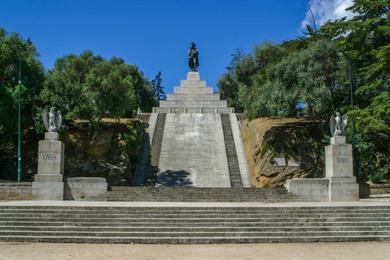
pixel 171 178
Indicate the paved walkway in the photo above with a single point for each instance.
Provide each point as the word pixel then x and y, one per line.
pixel 370 202
pixel 293 251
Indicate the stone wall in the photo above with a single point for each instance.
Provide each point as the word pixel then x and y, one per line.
pixel 15 191
pixel 379 188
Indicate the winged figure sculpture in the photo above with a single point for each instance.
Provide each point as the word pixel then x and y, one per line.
pixel 52 120
pixel 338 124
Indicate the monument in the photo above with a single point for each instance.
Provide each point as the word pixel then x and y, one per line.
pixel 339 163
pixel 339 183
pixel 48 182
pixel 194 137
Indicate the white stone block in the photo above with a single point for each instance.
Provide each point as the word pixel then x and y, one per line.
pixel 343 189
pixel 337 140
pixel 50 157
pixel 47 190
pixel 339 171
pixel 193 76
pixel 80 188
pixel 52 136
pixel 338 160
pixel 315 189
pixel 48 177
pixel 48 183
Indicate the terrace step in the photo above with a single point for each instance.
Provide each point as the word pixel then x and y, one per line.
pixel 186 224
pixel 194 194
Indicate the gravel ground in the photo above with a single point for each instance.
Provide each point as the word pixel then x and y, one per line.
pixel 301 251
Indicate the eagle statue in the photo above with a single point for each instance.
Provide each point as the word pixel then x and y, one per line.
pixel 52 120
pixel 337 124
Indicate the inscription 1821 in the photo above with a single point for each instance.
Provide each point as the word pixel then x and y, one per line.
pixel 342 159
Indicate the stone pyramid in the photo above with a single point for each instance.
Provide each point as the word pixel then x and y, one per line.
pixel 193 96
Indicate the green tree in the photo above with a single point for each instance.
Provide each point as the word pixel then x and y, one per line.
pixel 365 40
pixel 90 87
pixel 14 50
pixel 313 70
pixel 110 87
pixel 311 76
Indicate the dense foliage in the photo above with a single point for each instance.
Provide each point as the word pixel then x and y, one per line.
pixel 17 55
pixel 310 76
pixel 84 86
pixel 89 87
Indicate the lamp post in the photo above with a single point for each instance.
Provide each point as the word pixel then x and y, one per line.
pixel 19 126
pixel 356 162
pixel 19 173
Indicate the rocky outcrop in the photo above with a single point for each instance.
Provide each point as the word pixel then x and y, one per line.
pixel 278 149
pixel 107 149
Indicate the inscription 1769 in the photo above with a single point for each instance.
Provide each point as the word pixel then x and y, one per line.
pixel 48 157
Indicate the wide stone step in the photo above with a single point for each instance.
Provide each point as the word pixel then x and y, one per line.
pixel 190 210
pixel 150 224
pixel 206 207
pixel 201 220
pixel 198 194
pixel 191 240
pixel 202 97
pixel 165 198
pixel 193 90
pixel 194 103
pixel 201 190
pixel 193 83
pixel 152 210
pixel 195 110
pixel 203 211
pixel 193 234
pixel 191 229
pixel 193 214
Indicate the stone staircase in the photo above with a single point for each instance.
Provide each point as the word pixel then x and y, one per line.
pixel 156 145
pixel 202 224
pixel 231 155
pixel 193 194
pixel 198 144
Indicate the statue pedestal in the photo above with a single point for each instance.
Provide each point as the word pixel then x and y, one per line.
pixel 48 183
pixel 339 183
pixel 339 170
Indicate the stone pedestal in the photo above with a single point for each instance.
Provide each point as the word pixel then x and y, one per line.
pixel 339 183
pixel 339 170
pixel 48 183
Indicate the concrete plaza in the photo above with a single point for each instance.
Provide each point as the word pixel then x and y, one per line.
pixel 291 251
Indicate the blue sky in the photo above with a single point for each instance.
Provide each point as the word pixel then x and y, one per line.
pixel 154 35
